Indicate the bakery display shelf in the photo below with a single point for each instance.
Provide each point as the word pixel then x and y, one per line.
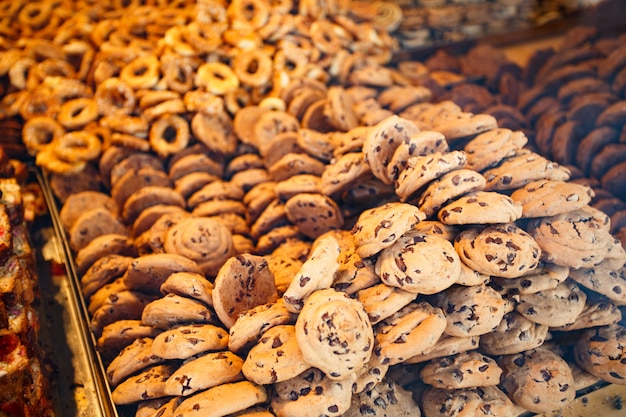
pixel 79 387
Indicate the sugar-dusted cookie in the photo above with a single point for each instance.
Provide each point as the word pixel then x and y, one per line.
pixel 276 357
pixel 514 334
pixel 448 187
pixel 548 197
pixel 538 380
pixel 243 282
pixel 334 333
pixel 186 340
pixel 480 207
pixel 419 263
pixel 204 371
pixel 553 307
pixel 299 396
pixel 379 227
pixel 420 170
pixel 464 370
pixel 502 250
pixel 411 331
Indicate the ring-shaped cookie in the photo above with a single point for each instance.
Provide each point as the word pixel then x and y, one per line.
pixel 115 97
pixel 169 134
pixel 77 112
pixel 141 72
pixel 254 67
pixel 39 132
pixel 79 145
pixel 217 78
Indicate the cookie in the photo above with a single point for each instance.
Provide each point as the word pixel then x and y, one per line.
pixel 243 282
pixel 121 333
pixel 147 197
pixel 502 250
pixel 514 334
pixel 612 115
pixel 413 330
pixel 187 340
pixel 480 207
pixel 78 203
pixel 224 399
pixel 148 217
pixel 448 187
pixel 471 311
pixel 188 284
pixel 314 214
pixel 524 167
pixel 149 272
pixel 370 375
pixel 578 238
pixel 300 397
pixel 554 307
pixel 202 240
pixel 464 125
pixel 611 155
pixel 133 358
pixel 422 143
pixel 101 246
pixel 173 309
pixel 420 170
pixel 133 180
pixel 194 160
pixel 446 346
pixel 419 263
pixel 381 142
pixel 104 271
pixel 543 198
pixel 385 399
pixel 93 223
pixel 303 183
pixel 379 227
pixel 600 352
pixel 342 172
pixel 438 402
pixel 567 137
pixel 316 272
pixel 145 385
pixel 595 314
pixel 276 357
pixel 334 333
pixel 203 372
pixel 98 298
pixel 538 380
pixel 613 180
pixel 545 277
pixel 603 279
pixel 381 301
pixel 216 190
pixel 464 370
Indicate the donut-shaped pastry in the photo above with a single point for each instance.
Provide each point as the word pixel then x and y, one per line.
pixel 253 67
pixel 216 78
pixel 76 146
pixel 77 112
pixel 115 97
pixel 141 72
pixel 38 132
pixel 334 333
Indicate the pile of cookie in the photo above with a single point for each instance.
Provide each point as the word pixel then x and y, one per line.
pixel 331 238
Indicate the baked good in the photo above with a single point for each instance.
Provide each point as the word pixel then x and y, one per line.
pixel 223 399
pixel 538 380
pixel 514 334
pixel 544 198
pixel 599 351
pixel 187 340
pixel 438 402
pixel 334 333
pixel 480 207
pixel 554 307
pixel 502 250
pixel 464 370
